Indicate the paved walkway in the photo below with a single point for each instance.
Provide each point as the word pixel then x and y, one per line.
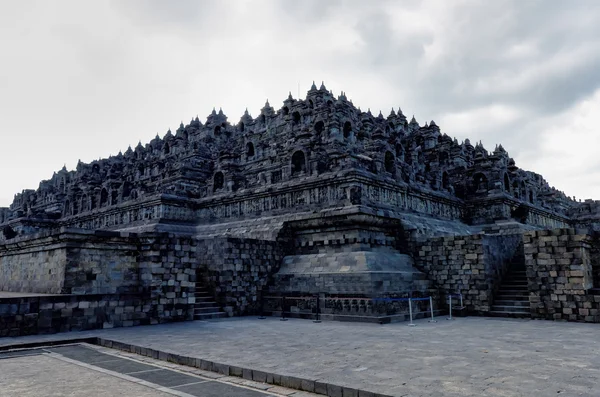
pixel 85 370
pixel 466 357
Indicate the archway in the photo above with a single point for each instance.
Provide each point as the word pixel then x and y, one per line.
pixel 443 157
pixel 249 149
pixel 84 203
pixel 515 191
pixel 480 182
pixel 445 181
pixel 298 162
pixel 103 197
pixel 218 181
pixel 389 162
pixel 296 117
pixel 319 127
pixel 347 129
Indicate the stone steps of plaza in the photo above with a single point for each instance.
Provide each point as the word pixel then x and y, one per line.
pixel 205 307
pixel 512 298
pixel 511 309
pixel 511 302
pixel 512 291
pixel 207 310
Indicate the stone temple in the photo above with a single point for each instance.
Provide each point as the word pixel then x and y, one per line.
pixel 314 198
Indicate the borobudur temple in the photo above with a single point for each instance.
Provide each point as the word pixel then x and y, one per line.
pixel 316 198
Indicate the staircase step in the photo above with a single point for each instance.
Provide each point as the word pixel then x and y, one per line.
pixel 204 310
pixel 515 277
pixel 513 297
pixel 210 316
pixel 205 304
pixel 205 307
pixel 515 303
pixel 507 283
pixel 204 298
pixel 513 291
pixel 510 308
pixel 511 314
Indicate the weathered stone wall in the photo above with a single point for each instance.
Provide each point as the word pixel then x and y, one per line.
pixel 237 270
pixel 469 265
pixel 595 258
pixel 168 271
pixel 161 269
pixel 33 265
pixel 455 264
pixel 157 271
pixel 101 263
pixel 70 262
pixel 62 313
pixel 560 276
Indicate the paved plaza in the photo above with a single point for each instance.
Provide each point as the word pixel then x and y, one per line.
pixel 86 370
pixel 471 356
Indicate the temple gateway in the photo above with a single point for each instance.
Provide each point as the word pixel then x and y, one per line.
pixel 316 201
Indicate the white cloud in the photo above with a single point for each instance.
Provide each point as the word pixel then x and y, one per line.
pixel 86 79
pixel 568 150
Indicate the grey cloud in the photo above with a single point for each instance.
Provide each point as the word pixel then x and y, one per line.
pixel 158 14
pixel 136 67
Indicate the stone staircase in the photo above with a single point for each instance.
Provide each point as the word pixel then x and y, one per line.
pixel 205 307
pixel 512 299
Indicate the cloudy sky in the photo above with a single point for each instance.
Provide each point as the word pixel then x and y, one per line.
pixel 83 80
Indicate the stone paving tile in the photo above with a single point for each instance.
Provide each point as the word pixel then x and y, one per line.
pixel 124 366
pixel 42 375
pixel 80 353
pixel 466 357
pixel 166 378
pixel 217 389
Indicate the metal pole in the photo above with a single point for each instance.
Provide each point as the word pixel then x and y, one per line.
pixel 283 309
pixel 461 302
pixel 318 320
pixel 411 324
pixel 450 304
pixel 431 310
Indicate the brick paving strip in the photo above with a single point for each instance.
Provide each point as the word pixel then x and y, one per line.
pixel 136 371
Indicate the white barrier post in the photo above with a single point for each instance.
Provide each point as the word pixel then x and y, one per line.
pixel 411 324
pixel 450 304
pixel 431 310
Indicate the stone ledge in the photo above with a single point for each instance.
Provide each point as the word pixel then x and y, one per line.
pixel 290 382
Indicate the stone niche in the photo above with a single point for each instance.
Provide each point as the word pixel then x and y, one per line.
pixel 355 253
